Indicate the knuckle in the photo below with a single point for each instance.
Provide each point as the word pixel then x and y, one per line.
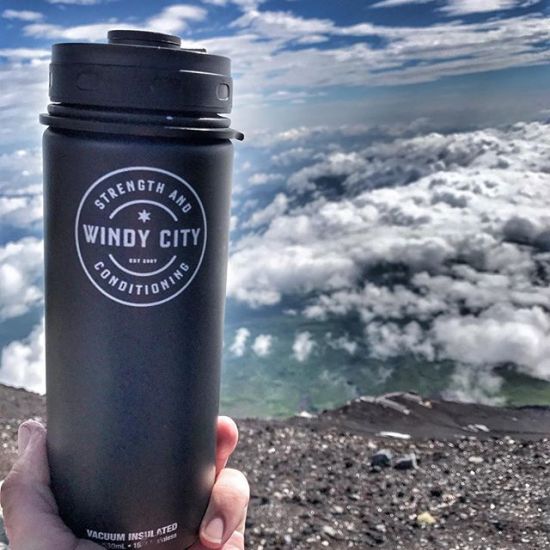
pixel 230 494
pixel 230 498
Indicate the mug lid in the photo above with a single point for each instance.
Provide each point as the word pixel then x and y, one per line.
pixel 141 70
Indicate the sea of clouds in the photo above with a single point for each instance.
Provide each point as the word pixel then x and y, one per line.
pixel 457 224
pixel 440 243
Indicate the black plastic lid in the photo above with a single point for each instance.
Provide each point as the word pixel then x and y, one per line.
pixel 144 38
pixel 141 70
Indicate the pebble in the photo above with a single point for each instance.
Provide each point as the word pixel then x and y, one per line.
pixel 406 462
pixel 329 531
pixel 478 428
pixel 383 457
pixel 394 435
pixel 425 518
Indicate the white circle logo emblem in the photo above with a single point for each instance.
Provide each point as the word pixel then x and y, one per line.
pixel 140 235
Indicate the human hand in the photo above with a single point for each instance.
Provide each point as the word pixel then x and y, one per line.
pixel 30 512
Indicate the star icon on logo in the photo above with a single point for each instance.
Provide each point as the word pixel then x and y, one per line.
pixel 144 216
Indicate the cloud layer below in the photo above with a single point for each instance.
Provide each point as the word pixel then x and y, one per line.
pixel 439 243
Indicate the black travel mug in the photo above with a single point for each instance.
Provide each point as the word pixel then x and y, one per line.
pixel 137 181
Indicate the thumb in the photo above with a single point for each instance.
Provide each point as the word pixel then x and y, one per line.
pixel 32 463
pixel 30 511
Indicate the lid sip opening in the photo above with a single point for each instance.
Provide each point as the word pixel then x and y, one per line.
pixel 144 38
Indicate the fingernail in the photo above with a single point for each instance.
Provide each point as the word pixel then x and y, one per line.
pixel 23 437
pixel 214 531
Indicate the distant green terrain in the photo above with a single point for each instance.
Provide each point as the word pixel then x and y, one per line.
pixel 279 385
pixel 520 389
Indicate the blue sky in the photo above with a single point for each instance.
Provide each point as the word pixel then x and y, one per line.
pixel 341 172
pixel 469 62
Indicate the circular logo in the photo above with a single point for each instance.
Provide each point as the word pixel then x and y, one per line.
pixel 140 235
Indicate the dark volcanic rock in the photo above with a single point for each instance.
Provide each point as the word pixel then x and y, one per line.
pixel 312 486
pixel 406 462
pixel 383 457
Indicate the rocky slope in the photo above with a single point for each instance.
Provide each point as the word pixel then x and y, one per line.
pixel 466 477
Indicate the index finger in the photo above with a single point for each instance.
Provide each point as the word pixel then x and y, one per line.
pixel 227 438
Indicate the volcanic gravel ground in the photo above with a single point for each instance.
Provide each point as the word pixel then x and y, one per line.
pixel 314 489
pixel 313 485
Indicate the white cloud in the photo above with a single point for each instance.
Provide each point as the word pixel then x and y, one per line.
pixel 394 3
pixel 437 50
pixel 325 136
pixel 21 264
pixel 262 345
pixel 464 7
pixel 500 334
pixel 387 339
pixel 91 32
pixel 21 54
pixel 261 178
pixel 238 347
pixel 312 39
pixel 288 257
pixel 303 346
pixel 243 4
pixel 270 212
pixel 20 171
pixel 461 7
pixel 23 362
pixel 23 95
pixel 439 243
pixel 23 211
pixel 292 156
pixel 474 385
pixel 22 15
pixel 397 207
pixel 342 343
pixel 172 19
pixel 280 24
pixel 336 163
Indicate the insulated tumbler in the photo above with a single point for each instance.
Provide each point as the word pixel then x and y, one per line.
pixel 137 181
